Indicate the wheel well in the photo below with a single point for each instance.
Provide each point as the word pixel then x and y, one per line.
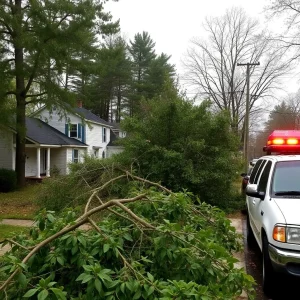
pixel 263 235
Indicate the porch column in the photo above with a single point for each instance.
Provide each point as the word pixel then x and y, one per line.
pixel 13 158
pixel 38 162
pixel 48 163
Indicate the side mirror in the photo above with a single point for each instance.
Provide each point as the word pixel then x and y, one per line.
pixel 251 190
pixel 243 174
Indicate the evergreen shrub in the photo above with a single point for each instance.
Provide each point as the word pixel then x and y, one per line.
pixel 8 180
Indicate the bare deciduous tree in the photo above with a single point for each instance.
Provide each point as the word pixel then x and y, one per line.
pixel 211 63
pixel 289 11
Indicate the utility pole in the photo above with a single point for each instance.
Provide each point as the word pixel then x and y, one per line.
pixel 246 134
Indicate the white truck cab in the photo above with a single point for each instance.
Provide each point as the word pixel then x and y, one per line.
pixel 273 206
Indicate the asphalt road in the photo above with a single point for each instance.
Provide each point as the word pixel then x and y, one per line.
pixel 286 288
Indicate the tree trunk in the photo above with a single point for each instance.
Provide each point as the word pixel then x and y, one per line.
pixel 20 141
pixel 20 98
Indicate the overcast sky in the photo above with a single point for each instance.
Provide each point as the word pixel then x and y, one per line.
pixel 173 23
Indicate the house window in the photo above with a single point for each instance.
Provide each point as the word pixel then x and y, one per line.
pixel 103 154
pixel 96 153
pixel 103 134
pixel 73 131
pixel 75 155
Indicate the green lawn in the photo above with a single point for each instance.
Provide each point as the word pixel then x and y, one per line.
pixel 9 231
pixel 19 204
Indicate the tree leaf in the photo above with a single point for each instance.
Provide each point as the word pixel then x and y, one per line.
pixel 22 279
pixel 43 295
pixel 98 285
pixel 59 293
pixel 60 260
pixel 106 247
pixel 82 241
pixel 150 290
pixel 150 277
pixel 137 295
pixel 30 293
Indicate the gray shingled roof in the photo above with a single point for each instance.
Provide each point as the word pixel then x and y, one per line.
pixel 88 115
pixel 42 133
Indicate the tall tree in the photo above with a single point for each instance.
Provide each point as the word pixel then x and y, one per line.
pixel 289 38
pixel 179 144
pixel 142 53
pixel 159 72
pixel 211 64
pixel 150 72
pixel 36 38
pixel 109 86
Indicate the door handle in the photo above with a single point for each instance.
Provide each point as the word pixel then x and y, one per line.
pixel 253 201
pixel 262 212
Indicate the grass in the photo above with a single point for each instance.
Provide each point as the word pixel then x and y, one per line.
pixel 19 204
pixel 8 231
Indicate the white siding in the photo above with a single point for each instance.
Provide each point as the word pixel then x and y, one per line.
pixel 56 121
pixel 30 163
pixel 81 153
pixel 94 138
pixel 6 149
pixel 93 132
pixel 58 159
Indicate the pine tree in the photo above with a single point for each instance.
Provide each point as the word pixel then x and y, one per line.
pixel 37 39
pixel 109 87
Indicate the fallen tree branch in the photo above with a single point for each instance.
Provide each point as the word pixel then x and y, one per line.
pixel 80 221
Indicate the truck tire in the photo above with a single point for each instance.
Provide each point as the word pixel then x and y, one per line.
pixel 268 272
pixel 250 236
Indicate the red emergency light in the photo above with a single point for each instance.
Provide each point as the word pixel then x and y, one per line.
pixel 283 141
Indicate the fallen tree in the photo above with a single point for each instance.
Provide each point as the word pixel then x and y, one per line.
pixel 153 244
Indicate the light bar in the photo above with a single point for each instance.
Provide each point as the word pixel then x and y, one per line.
pixel 283 141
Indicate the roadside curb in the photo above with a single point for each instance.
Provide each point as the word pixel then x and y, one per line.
pixel 238 225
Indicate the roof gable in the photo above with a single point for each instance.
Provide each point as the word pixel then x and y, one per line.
pixel 42 133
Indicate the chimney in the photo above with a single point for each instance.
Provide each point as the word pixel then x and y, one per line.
pixel 79 103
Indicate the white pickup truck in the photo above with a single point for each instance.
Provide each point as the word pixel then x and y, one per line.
pixel 273 204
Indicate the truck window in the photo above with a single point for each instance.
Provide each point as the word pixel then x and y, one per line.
pixel 286 176
pixel 263 181
pixel 256 171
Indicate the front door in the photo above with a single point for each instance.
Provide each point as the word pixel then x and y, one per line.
pixel 43 161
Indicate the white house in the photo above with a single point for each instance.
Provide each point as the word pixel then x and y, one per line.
pixel 52 142
pixel 81 125
pixel 46 149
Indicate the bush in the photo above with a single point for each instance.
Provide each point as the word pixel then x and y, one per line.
pixel 60 192
pixel 8 180
pixel 155 245
pixel 184 147
pixel 72 190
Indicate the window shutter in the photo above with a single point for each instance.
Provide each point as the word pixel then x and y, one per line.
pixel 72 155
pixel 83 133
pixel 79 130
pixel 67 129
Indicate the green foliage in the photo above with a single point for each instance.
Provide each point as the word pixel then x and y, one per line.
pixel 183 146
pixel 43 39
pixel 149 71
pixel 63 192
pixel 111 80
pixel 186 254
pixel 8 180
pixel 60 192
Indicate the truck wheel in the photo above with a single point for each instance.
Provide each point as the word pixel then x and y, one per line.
pixel 250 235
pixel 268 272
